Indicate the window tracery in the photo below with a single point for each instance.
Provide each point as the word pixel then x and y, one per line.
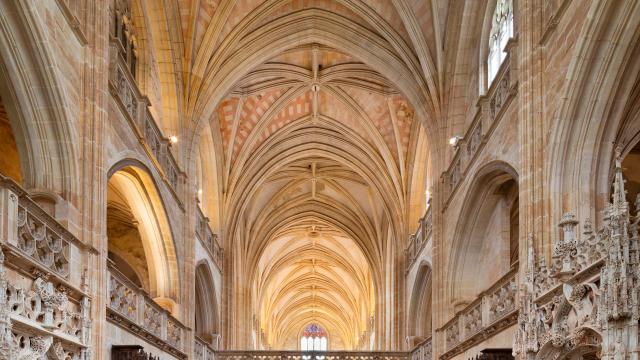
pixel 501 32
pixel 314 338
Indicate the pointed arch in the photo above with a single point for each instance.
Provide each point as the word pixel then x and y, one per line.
pixel 420 314
pixel 482 239
pixel 136 189
pixel 592 118
pixel 207 323
pixel 32 92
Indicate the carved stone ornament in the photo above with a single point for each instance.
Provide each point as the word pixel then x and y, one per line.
pixel 48 307
pixel 589 315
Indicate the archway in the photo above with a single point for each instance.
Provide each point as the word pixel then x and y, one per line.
pixel 420 311
pixel 140 242
pixel 10 160
pixel 41 122
pixel 583 143
pixel 206 306
pixel 487 236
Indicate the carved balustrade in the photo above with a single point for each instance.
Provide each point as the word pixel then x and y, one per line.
pixel 202 350
pixel 310 355
pixel 133 309
pixel 489 112
pixel 423 351
pixel 208 238
pixel 36 238
pixel 135 107
pixel 493 311
pixel 419 238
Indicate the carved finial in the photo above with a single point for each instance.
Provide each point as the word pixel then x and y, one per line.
pixel 85 279
pixel 587 227
pixel 530 256
pixel 618 197
pixel 618 156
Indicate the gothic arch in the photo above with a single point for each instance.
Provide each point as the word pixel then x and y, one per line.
pixel 136 188
pixel 420 305
pixel 485 213
pixel 41 120
pixel 584 137
pixel 207 320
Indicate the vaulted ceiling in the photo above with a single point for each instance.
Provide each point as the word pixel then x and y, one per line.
pixel 317 107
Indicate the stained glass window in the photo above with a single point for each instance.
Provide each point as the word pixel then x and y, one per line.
pixel 501 32
pixel 314 338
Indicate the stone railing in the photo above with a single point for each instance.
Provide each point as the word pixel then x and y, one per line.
pixel 208 238
pixel 310 355
pixel 133 309
pixel 493 311
pixel 490 111
pixel 135 107
pixel 423 351
pixel 202 350
pixel 419 238
pixel 36 237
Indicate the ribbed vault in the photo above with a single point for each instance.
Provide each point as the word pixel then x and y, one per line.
pixel 316 106
pixel 315 143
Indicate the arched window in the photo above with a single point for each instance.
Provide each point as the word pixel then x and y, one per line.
pixel 314 338
pixel 501 32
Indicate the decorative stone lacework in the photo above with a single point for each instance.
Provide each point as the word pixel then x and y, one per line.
pixel 122 298
pixel 174 334
pixel 202 351
pixel 126 93
pixel 46 311
pixel 489 314
pixel 152 318
pixel 474 140
pixel 597 308
pixel 36 347
pixel 503 300
pixel 452 334
pixel 38 240
pixel 472 320
pixel 500 95
pixel 208 238
pixel 135 311
pixel 542 278
pixel 45 305
pixel 424 351
pixel 420 238
pixel 152 136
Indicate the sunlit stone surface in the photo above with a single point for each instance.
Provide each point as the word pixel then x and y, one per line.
pixel 319 179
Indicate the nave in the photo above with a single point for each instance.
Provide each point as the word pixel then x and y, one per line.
pixel 319 179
